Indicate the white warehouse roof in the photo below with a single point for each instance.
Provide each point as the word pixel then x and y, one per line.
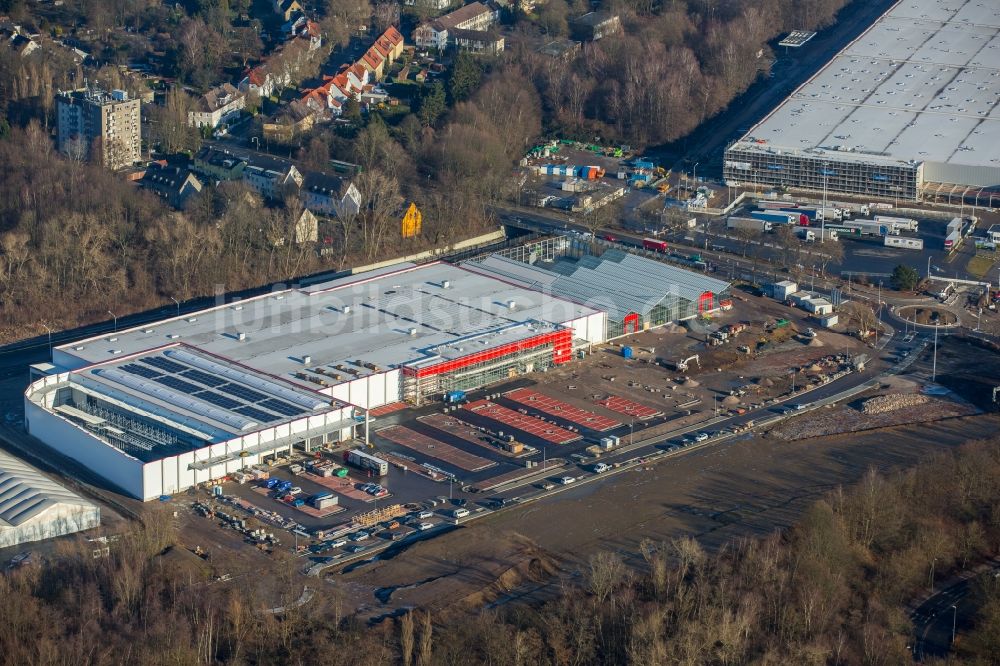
pixel 365 324
pixel 34 507
pixel 921 84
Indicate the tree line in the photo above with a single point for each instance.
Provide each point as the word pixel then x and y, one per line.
pixel 832 589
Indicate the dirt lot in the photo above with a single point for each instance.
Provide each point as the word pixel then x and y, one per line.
pixel 741 488
pixel 709 383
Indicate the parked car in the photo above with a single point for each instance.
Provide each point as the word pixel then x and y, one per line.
pixel 700 436
pixel 546 485
pixel 360 535
pixel 566 480
pixel 498 502
pixel 295 491
pixel 425 514
pixel 600 468
pixel 356 549
pixel 338 543
pixel 798 406
pixel 423 527
pixel 459 513
pixel 459 501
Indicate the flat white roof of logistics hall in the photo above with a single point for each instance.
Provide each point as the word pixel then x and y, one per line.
pixel 921 84
pixel 364 323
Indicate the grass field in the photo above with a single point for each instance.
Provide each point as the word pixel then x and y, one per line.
pixel 980 264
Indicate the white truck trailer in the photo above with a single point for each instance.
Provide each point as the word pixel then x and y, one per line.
pixel 904 242
pixel 751 223
pixel 899 223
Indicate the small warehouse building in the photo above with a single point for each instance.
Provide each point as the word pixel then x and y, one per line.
pixel 33 507
pixel 783 290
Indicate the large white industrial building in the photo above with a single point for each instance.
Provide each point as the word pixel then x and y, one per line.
pixel 161 408
pixel 909 110
pixel 34 507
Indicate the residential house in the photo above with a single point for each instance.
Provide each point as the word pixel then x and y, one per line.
pixel 297 117
pixel 595 25
pixel 477 41
pixel 474 16
pixel 272 183
pixel 220 105
pixel 281 68
pixel 217 165
pixel 22 45
pixel 102 125
pixel 306 228
pixel 561 49
pixel 385 51
pixel 329 195
pixel 173 184
pixel 287 8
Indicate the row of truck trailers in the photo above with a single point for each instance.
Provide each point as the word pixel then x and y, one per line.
pixel 835 222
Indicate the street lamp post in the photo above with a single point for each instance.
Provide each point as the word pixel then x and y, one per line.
pixel 631 428
pixel 934 367
pixel 933 562
pixel 115 317
pixel 928 267
pixel 177 303
pixel 954 621
pixel 49 331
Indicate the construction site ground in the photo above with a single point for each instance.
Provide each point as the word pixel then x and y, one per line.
pixel 746 486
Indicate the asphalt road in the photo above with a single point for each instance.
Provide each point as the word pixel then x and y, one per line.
pixel 945 614
pixel 792 68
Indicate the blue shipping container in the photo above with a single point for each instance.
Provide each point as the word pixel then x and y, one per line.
pixel 627 352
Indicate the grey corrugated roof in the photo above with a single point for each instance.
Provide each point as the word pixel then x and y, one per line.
pixel 617 281
pixel 25 492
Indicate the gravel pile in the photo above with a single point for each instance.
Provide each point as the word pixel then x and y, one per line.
pixel 883 404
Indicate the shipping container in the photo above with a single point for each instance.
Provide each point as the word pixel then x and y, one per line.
pixel 366 461
pixel 906 243
pixel 655 245
pixel 627 352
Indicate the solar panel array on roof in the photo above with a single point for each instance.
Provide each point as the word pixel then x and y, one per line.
pixel 254 413
pixel 222 401
pixel 164 364
pixel 213 386
pixel 243 392
pixel 140 370
pixel 178 384
pixel 204 378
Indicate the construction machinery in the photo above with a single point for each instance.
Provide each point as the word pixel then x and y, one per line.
pixel 682 365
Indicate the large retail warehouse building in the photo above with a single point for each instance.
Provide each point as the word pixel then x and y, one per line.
pixel 909 110
pixel 158 409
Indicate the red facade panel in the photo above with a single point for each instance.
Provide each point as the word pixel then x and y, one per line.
pixel 561 341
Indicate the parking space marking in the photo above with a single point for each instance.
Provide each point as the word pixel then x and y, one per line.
pixel 529 424
pixel 564 410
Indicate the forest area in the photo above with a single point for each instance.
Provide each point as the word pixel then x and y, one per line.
pixel 830 590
